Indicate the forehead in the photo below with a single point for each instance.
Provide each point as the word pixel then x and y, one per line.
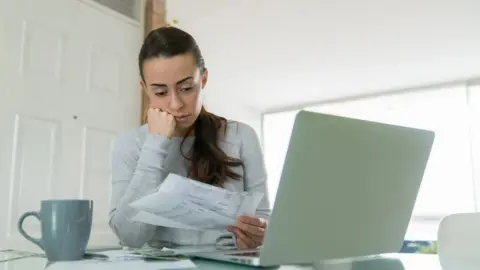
pixel 169 70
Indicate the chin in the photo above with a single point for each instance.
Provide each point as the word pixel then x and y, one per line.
pixel 184 126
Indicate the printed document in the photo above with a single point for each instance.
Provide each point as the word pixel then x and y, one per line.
pixel 184 203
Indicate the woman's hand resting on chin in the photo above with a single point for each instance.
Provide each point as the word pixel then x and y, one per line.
pixel 160 122
pixel 249 231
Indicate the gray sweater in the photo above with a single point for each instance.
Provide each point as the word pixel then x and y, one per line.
pixel 141 161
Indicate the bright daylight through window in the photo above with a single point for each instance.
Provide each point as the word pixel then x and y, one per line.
pixel 452 179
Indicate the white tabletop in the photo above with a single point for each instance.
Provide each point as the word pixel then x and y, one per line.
pixel 384 262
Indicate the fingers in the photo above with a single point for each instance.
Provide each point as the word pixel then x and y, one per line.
pixel 241 244
pixel 153 112
pixel 161 122
pixel 170 117
pixel 253 230
pixel 243 241
pixel 159 112
pixel 247 238
pixel 256 221
pixel 258 240
pixel 252 226
pixel 156 110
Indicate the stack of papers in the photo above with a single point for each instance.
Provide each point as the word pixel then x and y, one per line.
pixel 121 259
pixel 188 204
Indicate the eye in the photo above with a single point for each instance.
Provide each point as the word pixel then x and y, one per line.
pixel 186 89
pixel 161 94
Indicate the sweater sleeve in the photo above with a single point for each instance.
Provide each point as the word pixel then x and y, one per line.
pixel 255 173
pixel 135 175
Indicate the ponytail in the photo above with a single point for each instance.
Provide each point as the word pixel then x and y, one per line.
pixel 209 164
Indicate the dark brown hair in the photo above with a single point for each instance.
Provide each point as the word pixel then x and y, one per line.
pixel 209 164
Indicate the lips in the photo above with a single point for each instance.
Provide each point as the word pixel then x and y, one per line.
pixel 182 118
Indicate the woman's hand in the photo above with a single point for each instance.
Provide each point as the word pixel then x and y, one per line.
pixel 249 231
pixel 160 122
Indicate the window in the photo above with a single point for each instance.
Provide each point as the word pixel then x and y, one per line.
pixel 276 133
pixel 474 119
pixel 449 182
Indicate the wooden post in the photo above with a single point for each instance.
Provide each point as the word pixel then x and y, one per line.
pixel 155 17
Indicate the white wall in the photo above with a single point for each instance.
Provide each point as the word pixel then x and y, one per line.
pixel 225 106
pixel 275 53
pixel 222 82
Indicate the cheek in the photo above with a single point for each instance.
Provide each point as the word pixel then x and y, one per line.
pixel 194 101
pixel 156 102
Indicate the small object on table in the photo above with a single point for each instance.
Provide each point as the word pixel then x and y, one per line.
pixel 95 256
pixel 7 255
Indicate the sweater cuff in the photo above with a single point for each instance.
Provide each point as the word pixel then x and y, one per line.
pixel 156 142
pixel 154 151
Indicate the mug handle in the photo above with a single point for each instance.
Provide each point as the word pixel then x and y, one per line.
pixel 22 231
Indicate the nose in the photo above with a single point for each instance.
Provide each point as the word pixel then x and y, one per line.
pixel 176 102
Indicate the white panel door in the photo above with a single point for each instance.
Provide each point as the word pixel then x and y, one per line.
pixel 68 85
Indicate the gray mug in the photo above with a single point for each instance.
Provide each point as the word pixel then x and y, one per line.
pixel 65 226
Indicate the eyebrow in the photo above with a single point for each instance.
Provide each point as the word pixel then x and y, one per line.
pixel 164 85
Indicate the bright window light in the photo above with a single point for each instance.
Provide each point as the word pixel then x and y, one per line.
pixel 449 182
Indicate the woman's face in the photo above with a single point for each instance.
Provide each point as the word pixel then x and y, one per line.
pixel 174 85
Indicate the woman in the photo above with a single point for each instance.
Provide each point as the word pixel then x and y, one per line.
pixel 181 137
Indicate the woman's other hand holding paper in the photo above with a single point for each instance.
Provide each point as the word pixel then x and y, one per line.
pixel 249 231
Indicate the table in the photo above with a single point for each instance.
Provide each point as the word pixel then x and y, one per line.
pixel 380 262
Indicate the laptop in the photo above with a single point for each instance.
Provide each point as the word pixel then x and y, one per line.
pixel 347 189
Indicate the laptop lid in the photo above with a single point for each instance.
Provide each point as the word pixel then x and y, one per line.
pixel 348 188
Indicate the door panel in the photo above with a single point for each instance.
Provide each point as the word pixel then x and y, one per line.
pixel 32 120
pixel 107 100
pixel 68 86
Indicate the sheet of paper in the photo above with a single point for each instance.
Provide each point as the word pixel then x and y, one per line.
pixel 152 219
pixel 184 203
pixel 122 265
pixel 216 199
pixel 170 210
pixel 120 260
pixel 249 204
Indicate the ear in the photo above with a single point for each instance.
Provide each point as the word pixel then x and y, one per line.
pixel 143 85
pixel 204 78
pixel 144 89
